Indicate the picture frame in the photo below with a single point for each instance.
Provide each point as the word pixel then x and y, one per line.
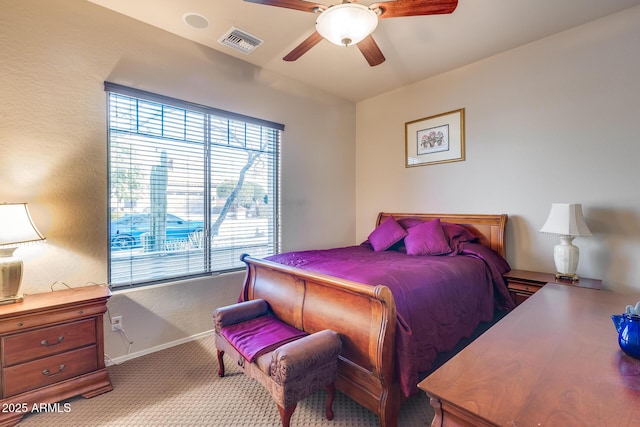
pixel 435 139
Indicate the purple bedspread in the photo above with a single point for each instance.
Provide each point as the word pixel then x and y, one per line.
pixel 439 299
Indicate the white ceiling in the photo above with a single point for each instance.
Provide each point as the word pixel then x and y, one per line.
pixel 415 47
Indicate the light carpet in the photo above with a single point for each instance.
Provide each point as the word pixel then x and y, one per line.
pixel 180 387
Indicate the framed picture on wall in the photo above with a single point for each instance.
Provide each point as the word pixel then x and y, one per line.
pixel 435 139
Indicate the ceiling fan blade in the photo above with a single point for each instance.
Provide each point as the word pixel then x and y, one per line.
pixel 371 51
pixel 303 47
pixel 394 9
pixel 302 5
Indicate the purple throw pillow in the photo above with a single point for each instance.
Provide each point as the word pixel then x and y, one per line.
pixel 427 238
pixel 407 223
pixel 457 235
pixel 386 235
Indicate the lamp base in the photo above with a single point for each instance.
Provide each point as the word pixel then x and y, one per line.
pixel 11 300
pixel 565 256
pixel 564 276
pixel 10 277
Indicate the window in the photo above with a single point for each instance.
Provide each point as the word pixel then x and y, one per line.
pixel 191 188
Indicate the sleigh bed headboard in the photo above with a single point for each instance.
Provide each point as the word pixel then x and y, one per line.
pixel 489 229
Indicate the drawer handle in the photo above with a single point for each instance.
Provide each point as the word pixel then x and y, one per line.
pixel 46 343
pixel 49 374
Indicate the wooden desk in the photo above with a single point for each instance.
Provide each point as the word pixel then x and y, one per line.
pixel 552 361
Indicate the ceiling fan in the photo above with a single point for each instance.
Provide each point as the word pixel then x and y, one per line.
pixel 352 23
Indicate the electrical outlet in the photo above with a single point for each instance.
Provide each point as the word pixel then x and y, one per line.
pixel 116 323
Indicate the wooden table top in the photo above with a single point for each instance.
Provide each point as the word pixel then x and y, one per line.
pixel 552 361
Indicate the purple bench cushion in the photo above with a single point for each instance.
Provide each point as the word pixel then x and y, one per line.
pixel 260 335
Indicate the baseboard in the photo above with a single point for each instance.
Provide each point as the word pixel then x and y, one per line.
pixel 121 359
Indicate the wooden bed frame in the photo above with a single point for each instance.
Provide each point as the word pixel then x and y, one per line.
pixel 363 315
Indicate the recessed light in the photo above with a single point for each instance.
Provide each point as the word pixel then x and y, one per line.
pixel 195 20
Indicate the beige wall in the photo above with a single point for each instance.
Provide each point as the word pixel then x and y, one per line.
pixel 553 121
pixel 54 58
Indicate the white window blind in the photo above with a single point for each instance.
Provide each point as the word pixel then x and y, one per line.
pixel 191 188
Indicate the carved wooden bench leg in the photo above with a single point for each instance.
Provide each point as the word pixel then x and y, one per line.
pixel 331 393
pixel 220 364
pixel 285 414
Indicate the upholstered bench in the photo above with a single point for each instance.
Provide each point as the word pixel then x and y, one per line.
pixel 289 363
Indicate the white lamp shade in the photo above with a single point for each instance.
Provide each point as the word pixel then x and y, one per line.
pixel 566 219
pixel 16 226
pixel 346 24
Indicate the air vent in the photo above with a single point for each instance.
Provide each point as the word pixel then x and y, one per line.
pixel 240 40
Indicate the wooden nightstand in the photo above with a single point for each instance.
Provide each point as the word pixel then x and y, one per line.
pixel 52 349
pixel 522 283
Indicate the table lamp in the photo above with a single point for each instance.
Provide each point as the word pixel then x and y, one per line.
pixel 16 229
pixel 566 220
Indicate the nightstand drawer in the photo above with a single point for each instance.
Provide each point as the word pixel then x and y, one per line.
pixel 53 369
pixel 523 287
pixel 26 346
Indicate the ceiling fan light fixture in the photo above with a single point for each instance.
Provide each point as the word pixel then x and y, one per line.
pixel 346 24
